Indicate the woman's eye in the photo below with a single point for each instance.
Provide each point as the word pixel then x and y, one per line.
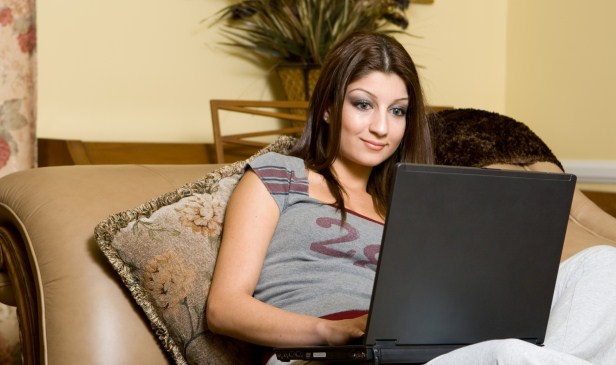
pixel 363 105
pixel 399 112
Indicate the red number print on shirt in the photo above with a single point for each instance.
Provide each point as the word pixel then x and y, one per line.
pixel 325 247
pixel 371 252
pixel 321 246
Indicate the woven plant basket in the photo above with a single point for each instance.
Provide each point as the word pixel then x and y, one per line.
pixel 298 80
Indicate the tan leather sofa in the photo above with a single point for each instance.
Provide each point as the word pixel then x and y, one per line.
pixel 73 307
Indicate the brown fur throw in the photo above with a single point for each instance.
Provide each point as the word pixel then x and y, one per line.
pixel 476 138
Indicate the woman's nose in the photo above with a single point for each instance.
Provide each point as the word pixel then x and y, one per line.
pixel 378 124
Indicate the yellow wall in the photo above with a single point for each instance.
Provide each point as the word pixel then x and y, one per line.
pixel 145 70
pixel 139 70
pixel 561 74
pixel 461 47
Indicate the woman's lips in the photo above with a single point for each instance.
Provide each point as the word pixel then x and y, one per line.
pixel 374 145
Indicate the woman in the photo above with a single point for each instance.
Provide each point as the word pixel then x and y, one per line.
pixel 310 251
pixel 302 232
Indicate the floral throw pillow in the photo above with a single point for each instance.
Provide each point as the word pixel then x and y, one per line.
pixel 165 251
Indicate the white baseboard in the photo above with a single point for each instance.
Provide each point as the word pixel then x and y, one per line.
pixel 592 171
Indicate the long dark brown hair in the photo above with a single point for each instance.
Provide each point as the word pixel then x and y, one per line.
pixel 354 57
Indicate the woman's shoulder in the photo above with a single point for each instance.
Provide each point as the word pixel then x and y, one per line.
pixel 278 161
pixel 284 177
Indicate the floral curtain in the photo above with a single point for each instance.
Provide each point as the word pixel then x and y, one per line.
pixel 17 85
pixel 17 123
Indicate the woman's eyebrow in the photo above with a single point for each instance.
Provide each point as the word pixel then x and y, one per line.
pixel 404 98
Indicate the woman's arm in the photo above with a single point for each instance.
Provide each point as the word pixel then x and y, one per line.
pixel 250 221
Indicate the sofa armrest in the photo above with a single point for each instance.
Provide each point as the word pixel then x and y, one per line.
pixel 73 308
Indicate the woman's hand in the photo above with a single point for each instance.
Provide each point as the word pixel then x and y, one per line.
pixel 344 331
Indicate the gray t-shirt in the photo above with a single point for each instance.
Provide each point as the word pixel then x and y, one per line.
pixel 315 265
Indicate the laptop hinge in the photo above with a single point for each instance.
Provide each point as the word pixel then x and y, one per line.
pixel 533 340
pixel 385 343
pixel 381 344
pixel 380 350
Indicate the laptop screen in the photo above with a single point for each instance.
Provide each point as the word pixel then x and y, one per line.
pixel 468 254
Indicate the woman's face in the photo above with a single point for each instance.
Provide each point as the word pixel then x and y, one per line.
pixel 373 119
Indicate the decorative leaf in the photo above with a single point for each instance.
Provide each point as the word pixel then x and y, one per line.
pixel 152 228
pixel 304 30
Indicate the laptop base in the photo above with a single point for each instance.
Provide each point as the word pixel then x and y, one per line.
pixel 380 353
pixel 383 352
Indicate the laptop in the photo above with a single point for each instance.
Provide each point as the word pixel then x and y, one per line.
pixel 467 255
